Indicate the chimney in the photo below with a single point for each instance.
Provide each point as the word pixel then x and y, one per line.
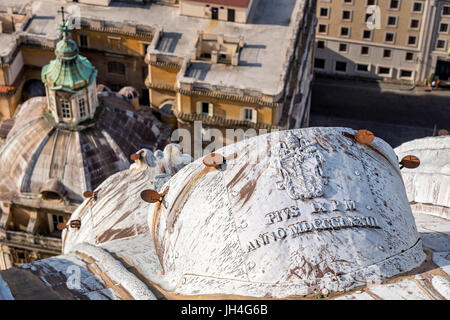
pixel 235 59
pixel 214 56
pixel 220 39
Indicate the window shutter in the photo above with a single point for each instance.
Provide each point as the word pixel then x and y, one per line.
pixel 199 107
pixel 254 115
pixel 210 109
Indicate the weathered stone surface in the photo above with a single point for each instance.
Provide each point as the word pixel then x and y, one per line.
pixel 442 259
pixel 110 215
pixel 403 290
pixel 428 186
pixel 199 251
pixel 275 221
pixel 442 285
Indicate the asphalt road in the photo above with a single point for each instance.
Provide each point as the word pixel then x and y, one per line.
pixel 394 113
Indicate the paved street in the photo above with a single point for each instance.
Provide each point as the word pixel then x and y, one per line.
pixel 396 113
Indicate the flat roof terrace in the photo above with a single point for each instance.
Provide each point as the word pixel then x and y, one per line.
pixel 267 36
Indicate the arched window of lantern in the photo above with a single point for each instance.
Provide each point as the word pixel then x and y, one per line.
pixel 82 105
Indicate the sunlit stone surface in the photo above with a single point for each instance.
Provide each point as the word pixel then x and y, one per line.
pixel 302 213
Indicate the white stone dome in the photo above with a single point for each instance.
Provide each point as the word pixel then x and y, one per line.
pixel 296 213
pixel 428 186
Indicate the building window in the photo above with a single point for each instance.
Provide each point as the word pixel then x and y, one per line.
pixel 412 40
pixel 204 107
pixel 367 34
pixel 389 37
pixel 145 47
pixel 446 11
pixel 394 5
pixel 405 73
pixel 371 2
pixel 387 53
pixel 345 32
pixel 56 218
pixel 65 109
pixel 443 28
pixel 341 66
pixel 248 115
pixel 82 106
pixel 323 28
pixel 319 63
pixel 417 7
pixel 231 14
pixel 364 51
pixel 342 47
pixel 441 44
pixel 114 43
pixel 116 67
pixel 320 44
pixel 348 2
pixel 409 56
pixel 392 21
pixel 83 41
pixel 362 67
pixel 414 24
pixel 323 12
pixel 384 70
pixel 20 257
pixel 346 15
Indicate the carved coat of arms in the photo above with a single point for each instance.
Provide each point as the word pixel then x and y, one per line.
pixel 300 168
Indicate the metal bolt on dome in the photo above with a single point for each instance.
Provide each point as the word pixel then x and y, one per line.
pixel 152 196
pixel 75 224
pixel 410 162
pixel 215 159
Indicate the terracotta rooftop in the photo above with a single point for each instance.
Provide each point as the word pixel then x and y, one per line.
pixel 6 89
pixel 229 3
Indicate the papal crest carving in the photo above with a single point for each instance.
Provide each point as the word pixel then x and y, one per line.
pixel 300 168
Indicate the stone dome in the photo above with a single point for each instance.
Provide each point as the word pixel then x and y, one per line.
pixel 40 157
pixel 295 213
pixel 151 171
pixel 428 186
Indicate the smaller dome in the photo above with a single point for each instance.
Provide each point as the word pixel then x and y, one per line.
pixel 129 92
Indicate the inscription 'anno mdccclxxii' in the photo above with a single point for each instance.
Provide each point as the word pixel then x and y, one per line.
pixel 320 224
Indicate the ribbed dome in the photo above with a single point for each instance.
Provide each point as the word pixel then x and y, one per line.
pixel 39 154
pixel 69 71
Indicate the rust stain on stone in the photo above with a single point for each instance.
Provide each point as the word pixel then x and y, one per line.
pixel 237 177
pixel 114 234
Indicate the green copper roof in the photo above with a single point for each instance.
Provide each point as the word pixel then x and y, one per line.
pixel 69 71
